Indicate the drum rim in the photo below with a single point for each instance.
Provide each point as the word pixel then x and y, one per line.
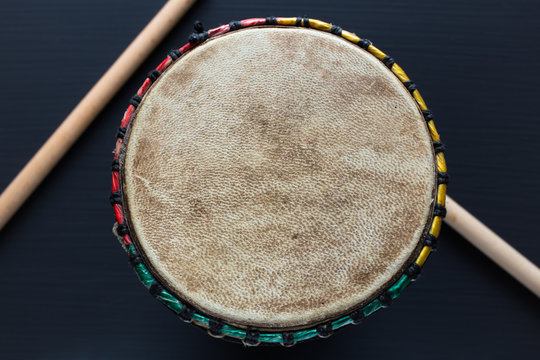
pixel 222 328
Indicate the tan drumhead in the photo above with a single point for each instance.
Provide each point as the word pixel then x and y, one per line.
pixel 278 177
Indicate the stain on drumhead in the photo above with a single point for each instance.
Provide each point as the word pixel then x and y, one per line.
pixel 278 177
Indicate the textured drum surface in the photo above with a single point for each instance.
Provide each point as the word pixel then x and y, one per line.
pixel 278 177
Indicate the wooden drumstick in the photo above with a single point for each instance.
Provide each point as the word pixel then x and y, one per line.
pixel 493 246
pixel 90 106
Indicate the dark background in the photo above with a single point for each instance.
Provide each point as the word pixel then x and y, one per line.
pixel 67 290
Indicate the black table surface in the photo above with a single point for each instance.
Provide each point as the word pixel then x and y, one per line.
pixel 68 291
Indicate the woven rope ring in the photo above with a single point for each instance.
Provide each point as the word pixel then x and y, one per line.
pixel 217 327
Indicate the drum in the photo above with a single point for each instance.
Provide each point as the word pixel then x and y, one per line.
pixel 277 179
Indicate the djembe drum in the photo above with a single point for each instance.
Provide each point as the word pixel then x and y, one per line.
pixel 277 179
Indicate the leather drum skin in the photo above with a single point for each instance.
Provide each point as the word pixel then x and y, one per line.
pixel 278 177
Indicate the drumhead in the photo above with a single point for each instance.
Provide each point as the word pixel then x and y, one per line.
pixel 277 178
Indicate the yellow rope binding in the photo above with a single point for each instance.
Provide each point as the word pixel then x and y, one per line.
pixel 402 76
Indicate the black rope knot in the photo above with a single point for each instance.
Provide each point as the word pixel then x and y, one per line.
pixel 121 132
pixel 438 147
pixel 198 38
pixel 122 229
pixel 357 316
pixel 336 30
pixel 325 330
pixel 442 178
pixel 187 313
pixel 439 210
pixel 235 25
pixel 271 20
pixel 193 38
pixel 135 100
pixel 198 27
pixel 411 86
pixel 385 299
pixel 175 54
pixel 214 328
pixel 153 75
pixel 288 339
pixel 155 289
pixel 413 270
pixel 430 241
pixel 252 338
pixel 428 115
pixel 302 21
pixel 388 61
pixel 115 165
pixel 364 43
pixel 115 197
pixel 134 259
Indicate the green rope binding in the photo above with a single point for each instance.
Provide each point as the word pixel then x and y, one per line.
pixel 276 338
